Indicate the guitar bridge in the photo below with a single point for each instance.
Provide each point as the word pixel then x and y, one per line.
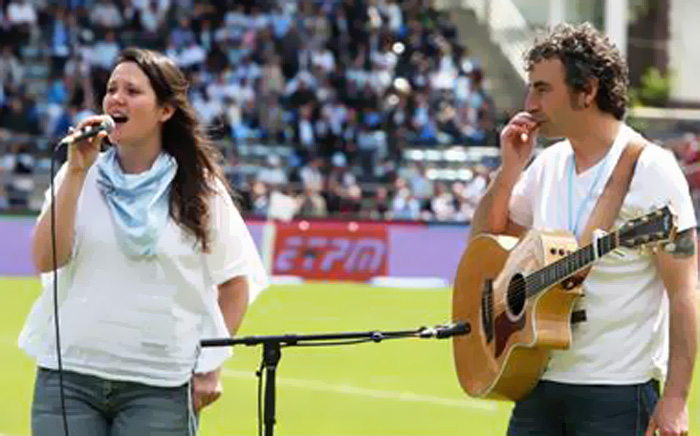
pixel 487 310
pixel 571 282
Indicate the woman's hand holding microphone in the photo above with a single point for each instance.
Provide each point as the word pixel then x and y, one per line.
pixel 84 142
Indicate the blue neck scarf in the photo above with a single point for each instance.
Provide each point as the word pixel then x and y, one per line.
pixel 139 203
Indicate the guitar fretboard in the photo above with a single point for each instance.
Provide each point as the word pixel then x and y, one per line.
pixel 567 266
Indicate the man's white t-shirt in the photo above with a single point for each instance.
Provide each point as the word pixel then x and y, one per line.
pixel 141 320
pixel 624 339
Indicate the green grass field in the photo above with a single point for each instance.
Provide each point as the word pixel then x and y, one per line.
pixel 396 387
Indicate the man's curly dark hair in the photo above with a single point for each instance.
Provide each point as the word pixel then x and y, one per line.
pixel 586 54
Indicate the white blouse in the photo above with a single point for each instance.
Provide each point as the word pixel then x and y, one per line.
pixel 141 320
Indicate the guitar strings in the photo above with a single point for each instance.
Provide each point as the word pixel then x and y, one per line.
pixel 607 243
pixel 521 288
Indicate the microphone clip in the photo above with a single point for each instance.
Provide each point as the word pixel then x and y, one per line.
pixel 445 330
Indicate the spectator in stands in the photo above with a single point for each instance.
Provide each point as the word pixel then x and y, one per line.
pixel 273 175
pixel 422 120
pixel 272 81
pixel 4 201
pixel 259 199
pixel 480 110
pixel 11 71
pixel 63 36
pixel 5 28
pixel 420 184
pixel 371 146
pixel 19 116
pixel 442 205
pixel 182 34
pixel 23 18
pixel 77 66
pixel 104 52
pixel 105 16
pixel 304 132
pixel 476 186
pixel 209 110
pixel 271 119
pixel 464 205
pixel 686 148
pixel 340 174
pixel 151 16
pixel 351 202
pixel 379 208
pixel 61 119
pixel 310 174
pixel 310 203
pixel 19 164
pixel 404 206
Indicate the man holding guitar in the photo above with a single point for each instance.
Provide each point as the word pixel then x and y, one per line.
pixel 638 325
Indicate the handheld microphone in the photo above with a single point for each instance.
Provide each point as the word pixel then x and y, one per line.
pixel 89 131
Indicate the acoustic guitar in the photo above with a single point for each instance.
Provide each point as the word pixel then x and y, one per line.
pixel 518 297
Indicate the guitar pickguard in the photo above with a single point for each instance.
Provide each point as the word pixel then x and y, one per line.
pixel 504 330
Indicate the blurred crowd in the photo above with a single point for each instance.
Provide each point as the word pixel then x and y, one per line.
pixel 346 85
pixel 686 148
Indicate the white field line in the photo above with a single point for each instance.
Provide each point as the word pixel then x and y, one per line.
pixel 314 385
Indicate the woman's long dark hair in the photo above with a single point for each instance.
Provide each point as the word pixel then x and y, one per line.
pixel 184 138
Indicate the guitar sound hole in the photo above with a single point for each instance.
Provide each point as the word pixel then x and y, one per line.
pixel 516 295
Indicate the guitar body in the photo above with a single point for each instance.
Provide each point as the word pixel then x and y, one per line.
pixel 506 351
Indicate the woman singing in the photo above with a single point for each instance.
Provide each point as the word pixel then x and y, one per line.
pixel 152 256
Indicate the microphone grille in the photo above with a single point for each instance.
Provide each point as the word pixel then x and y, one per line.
pixel 109 124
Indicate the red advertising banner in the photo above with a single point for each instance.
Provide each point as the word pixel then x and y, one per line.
pixel 336 250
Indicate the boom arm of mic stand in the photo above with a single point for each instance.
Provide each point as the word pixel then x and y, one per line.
pixel 292 339
pixel 440 332
pixel 272 352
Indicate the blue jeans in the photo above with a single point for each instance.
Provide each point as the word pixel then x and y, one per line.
pixel 559 409
pixel 99 407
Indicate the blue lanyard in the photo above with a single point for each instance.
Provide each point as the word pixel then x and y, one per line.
pixel 573 227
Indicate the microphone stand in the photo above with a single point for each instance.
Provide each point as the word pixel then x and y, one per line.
pixel 272 351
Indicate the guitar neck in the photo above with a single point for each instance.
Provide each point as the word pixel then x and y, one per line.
pixel 569 265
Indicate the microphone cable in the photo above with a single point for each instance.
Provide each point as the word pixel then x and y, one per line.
pixel 108 125
pixel 54 258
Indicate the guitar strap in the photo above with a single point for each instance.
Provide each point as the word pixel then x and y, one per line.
pixel 608 206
